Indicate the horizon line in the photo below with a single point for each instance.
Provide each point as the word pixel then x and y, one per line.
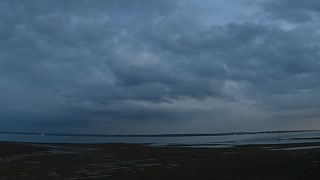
pixel 155 135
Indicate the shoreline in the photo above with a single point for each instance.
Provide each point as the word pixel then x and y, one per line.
pixel 141 161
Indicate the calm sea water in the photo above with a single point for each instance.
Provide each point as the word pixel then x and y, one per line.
pixel 263 138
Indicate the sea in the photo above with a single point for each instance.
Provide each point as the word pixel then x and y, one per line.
pixel 196 140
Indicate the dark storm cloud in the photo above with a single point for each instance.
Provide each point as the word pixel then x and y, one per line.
pixel 105 64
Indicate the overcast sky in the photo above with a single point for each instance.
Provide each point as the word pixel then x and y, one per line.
pixel 159 66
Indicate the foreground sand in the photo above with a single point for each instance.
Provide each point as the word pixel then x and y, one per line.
pixel 141 162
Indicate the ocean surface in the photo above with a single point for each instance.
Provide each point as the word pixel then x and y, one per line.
pixel 200 140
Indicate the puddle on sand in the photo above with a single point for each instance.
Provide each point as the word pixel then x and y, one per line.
pixel 206 146
pixel 297 148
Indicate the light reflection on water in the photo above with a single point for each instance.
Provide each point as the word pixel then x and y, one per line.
pixel 263 138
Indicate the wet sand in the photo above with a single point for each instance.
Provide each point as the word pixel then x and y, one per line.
pixel 143 162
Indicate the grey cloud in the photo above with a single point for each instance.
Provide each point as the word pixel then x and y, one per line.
pixel 292 10
pixel 93 62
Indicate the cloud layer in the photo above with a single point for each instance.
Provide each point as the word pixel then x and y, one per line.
pixel 149 66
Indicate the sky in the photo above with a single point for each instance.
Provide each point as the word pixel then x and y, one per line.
pixel 159 66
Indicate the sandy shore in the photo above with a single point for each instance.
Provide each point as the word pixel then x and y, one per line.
pixel 143 162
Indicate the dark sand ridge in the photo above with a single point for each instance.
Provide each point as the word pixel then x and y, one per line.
pixel 138 161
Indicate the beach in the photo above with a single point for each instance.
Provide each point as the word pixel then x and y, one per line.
pixel 143 161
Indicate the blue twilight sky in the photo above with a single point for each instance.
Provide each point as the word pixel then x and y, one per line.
pixel 159 66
